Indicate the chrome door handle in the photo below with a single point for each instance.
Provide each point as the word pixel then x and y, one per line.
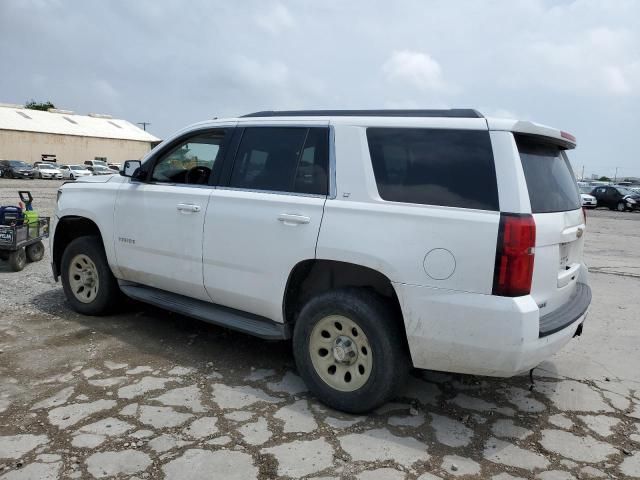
pixel 292 219
pixel 188 207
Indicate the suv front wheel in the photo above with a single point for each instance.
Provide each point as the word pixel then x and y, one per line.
pixel 87 281
pixel 350 349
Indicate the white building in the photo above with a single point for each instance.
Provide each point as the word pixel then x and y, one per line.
pixel 63 136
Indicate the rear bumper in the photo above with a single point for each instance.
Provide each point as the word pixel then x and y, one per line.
pixel 482 334
pixel 568 313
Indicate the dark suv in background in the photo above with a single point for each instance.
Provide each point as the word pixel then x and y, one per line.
pixel 617 198
pixel 15 169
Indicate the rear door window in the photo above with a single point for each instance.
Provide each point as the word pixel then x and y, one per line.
pixel 282 159
pixel 550 180
pixel 452 168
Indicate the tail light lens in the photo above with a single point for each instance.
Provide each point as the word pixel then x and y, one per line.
pixel 514 255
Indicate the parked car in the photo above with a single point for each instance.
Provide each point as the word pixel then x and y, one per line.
pixel 15 169
pixel 617 198
pixel 47 170
pixel 375 240
pixel 588 200
pixel 115 166
pixel 100 170
pixel 71 172
pixel 93 163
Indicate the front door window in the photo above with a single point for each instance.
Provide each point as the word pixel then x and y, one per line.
pixel 190 162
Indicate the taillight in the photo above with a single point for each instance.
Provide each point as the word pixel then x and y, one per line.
pixel 514 255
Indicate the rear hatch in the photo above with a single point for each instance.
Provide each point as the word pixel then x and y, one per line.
pixel 560 224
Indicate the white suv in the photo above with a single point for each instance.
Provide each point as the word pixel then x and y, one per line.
pixel 376 240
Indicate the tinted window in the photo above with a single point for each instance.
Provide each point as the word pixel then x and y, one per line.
pixel 453 168
pixel 17 163
pixel 550 180
pixel 283 159
pixel 191 162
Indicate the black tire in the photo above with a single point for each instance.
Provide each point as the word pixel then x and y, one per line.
pixel 35 252
pixel 382 327
pixel 108 294
pixel 71 177
pixel 18 260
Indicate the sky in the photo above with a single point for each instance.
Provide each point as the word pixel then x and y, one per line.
pixel 574 65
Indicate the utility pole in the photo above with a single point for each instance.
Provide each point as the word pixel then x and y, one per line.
pixel 582 176
pixel 615 177
pixel 144 125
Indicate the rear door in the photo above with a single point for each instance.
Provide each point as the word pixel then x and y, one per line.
pixel 556 208
pixel 267 217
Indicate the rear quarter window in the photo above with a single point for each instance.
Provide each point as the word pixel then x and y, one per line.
pixel 452 168
pixel 550 180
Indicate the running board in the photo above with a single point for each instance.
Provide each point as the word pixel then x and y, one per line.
pixel 208 312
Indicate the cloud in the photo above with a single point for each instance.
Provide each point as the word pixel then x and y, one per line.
pixel 276 19
pixel 574 64
pixel 414 68
pixel 600 61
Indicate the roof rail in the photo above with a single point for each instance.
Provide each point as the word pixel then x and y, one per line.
pixel 450 113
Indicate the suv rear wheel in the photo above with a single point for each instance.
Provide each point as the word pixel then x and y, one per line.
pixel 88 283
pixel 350 349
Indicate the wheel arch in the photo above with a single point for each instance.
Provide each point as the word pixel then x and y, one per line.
pixel 68 228
pixel 314 276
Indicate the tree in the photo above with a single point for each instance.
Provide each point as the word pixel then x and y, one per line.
pixel 604 179
pixel 33 105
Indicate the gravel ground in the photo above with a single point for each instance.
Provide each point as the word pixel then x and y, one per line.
pixel 150 394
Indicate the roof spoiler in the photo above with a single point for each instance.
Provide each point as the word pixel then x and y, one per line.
pixel 558 137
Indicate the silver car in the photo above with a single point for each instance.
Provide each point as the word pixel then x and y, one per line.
pixel 45 170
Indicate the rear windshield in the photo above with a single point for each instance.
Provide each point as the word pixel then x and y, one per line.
pixel 452 168
pixel 550 180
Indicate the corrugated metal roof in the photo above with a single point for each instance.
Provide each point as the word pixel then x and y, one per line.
pixel 12 118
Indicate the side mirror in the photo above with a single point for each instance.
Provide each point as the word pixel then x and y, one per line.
pixel 131 168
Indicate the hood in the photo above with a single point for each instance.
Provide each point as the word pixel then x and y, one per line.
pixel 635 196
pixel 587 196
pixel 94 179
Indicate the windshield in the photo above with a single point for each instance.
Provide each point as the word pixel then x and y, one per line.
pixel 18 163
pixel 46 167
pixel 99 163
pixel 76 167
pixel 587 190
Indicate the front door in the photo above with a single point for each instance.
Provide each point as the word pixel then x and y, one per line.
pixel 266 218
pixel 159 222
